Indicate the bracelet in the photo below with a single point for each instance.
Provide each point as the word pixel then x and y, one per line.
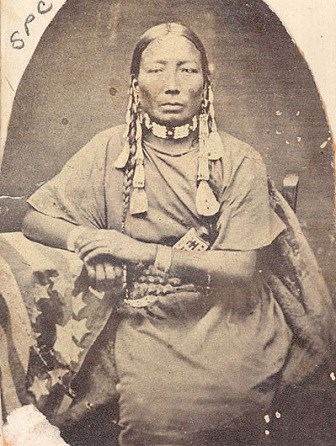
pixel 163 259
pixel 73 236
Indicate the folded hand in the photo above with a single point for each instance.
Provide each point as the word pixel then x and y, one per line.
pixel 108 244
pixel 104 275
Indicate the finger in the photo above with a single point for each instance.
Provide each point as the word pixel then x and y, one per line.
pixel 85 244
pixel 100 276
pixel 109 272
pixel 99 252
pixel 110 277
pixel 91 271
pixel 118 271
pixel 88 234
pixel 96 244
pixel 95 235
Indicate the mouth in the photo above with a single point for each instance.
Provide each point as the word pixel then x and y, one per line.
pixel 172 104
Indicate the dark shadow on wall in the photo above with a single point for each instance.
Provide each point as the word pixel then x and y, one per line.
pixel 76 85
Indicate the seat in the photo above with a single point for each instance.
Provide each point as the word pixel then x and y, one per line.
pixel 290 186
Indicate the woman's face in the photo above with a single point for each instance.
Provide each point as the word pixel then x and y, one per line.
pixel 170 81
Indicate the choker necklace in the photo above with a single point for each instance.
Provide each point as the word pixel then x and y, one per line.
pixel 170 132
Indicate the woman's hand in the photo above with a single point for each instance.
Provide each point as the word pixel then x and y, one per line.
pixel 113 246
pixel 103 270
pixel 104 274
pixel 103 251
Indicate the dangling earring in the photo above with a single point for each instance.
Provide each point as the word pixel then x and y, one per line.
pixel 209 150
pixel 124 155
pixel 215 147
pixel 135 94
pixel 138 199
pixel 203 129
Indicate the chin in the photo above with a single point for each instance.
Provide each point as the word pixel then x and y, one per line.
pixel 172 121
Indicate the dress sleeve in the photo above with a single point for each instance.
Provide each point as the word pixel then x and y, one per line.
pixel 247 221
pixel 77 193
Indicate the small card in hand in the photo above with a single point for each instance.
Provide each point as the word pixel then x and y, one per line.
pixel 193 241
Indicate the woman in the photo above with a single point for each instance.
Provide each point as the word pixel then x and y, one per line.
pixel 177 212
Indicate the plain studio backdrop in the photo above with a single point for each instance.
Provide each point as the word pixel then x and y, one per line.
pixel 76 85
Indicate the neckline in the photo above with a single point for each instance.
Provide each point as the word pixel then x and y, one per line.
pixel 175 154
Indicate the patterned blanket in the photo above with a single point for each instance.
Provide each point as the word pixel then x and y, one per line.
pixel 298 285
pixel 51 319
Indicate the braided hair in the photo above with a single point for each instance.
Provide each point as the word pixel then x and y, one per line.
pixel 130 134
pixel 133 135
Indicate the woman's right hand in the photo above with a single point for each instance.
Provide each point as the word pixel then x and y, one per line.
pixel 104 274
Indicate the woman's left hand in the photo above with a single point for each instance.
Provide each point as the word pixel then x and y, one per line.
pixel 108 243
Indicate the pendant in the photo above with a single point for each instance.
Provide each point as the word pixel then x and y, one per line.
pixel 206 202
pixel 123 157
pixel 139 175
pixel 138 202
pixel 203 172
pixel 214 146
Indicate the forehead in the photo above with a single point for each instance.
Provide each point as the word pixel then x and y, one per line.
pixel 171 48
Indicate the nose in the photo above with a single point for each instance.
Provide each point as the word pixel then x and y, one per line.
pixel 171 83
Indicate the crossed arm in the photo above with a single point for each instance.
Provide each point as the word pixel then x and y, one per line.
pixel 102 250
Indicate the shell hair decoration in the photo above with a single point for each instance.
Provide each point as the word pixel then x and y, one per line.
pixel 132 158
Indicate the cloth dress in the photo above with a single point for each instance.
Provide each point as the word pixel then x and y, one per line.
pixel 196 363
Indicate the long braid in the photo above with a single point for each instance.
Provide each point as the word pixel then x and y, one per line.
pixel 130 166
pixel 130 136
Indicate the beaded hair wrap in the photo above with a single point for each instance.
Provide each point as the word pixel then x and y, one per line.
pixel 131 158
pixel 210 150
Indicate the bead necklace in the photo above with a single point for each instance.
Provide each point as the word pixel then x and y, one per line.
pixel 170 132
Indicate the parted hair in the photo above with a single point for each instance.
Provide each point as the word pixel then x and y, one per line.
pixel 160 31
pixel 132 117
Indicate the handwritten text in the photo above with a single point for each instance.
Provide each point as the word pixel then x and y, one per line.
pixel 17 39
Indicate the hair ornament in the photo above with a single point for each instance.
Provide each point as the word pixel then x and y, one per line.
pixel 128 117
pixel 206 202
pixel 123 157
pixel 210 149
pixel 203 173
pixel 214 142
pixel 214 146
pixel 121 161
pixel 138 201
pixel 139 172
pixel 203 164
pixel 139 175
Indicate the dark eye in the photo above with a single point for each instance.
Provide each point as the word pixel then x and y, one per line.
pixel 155 70
pixel 189 70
